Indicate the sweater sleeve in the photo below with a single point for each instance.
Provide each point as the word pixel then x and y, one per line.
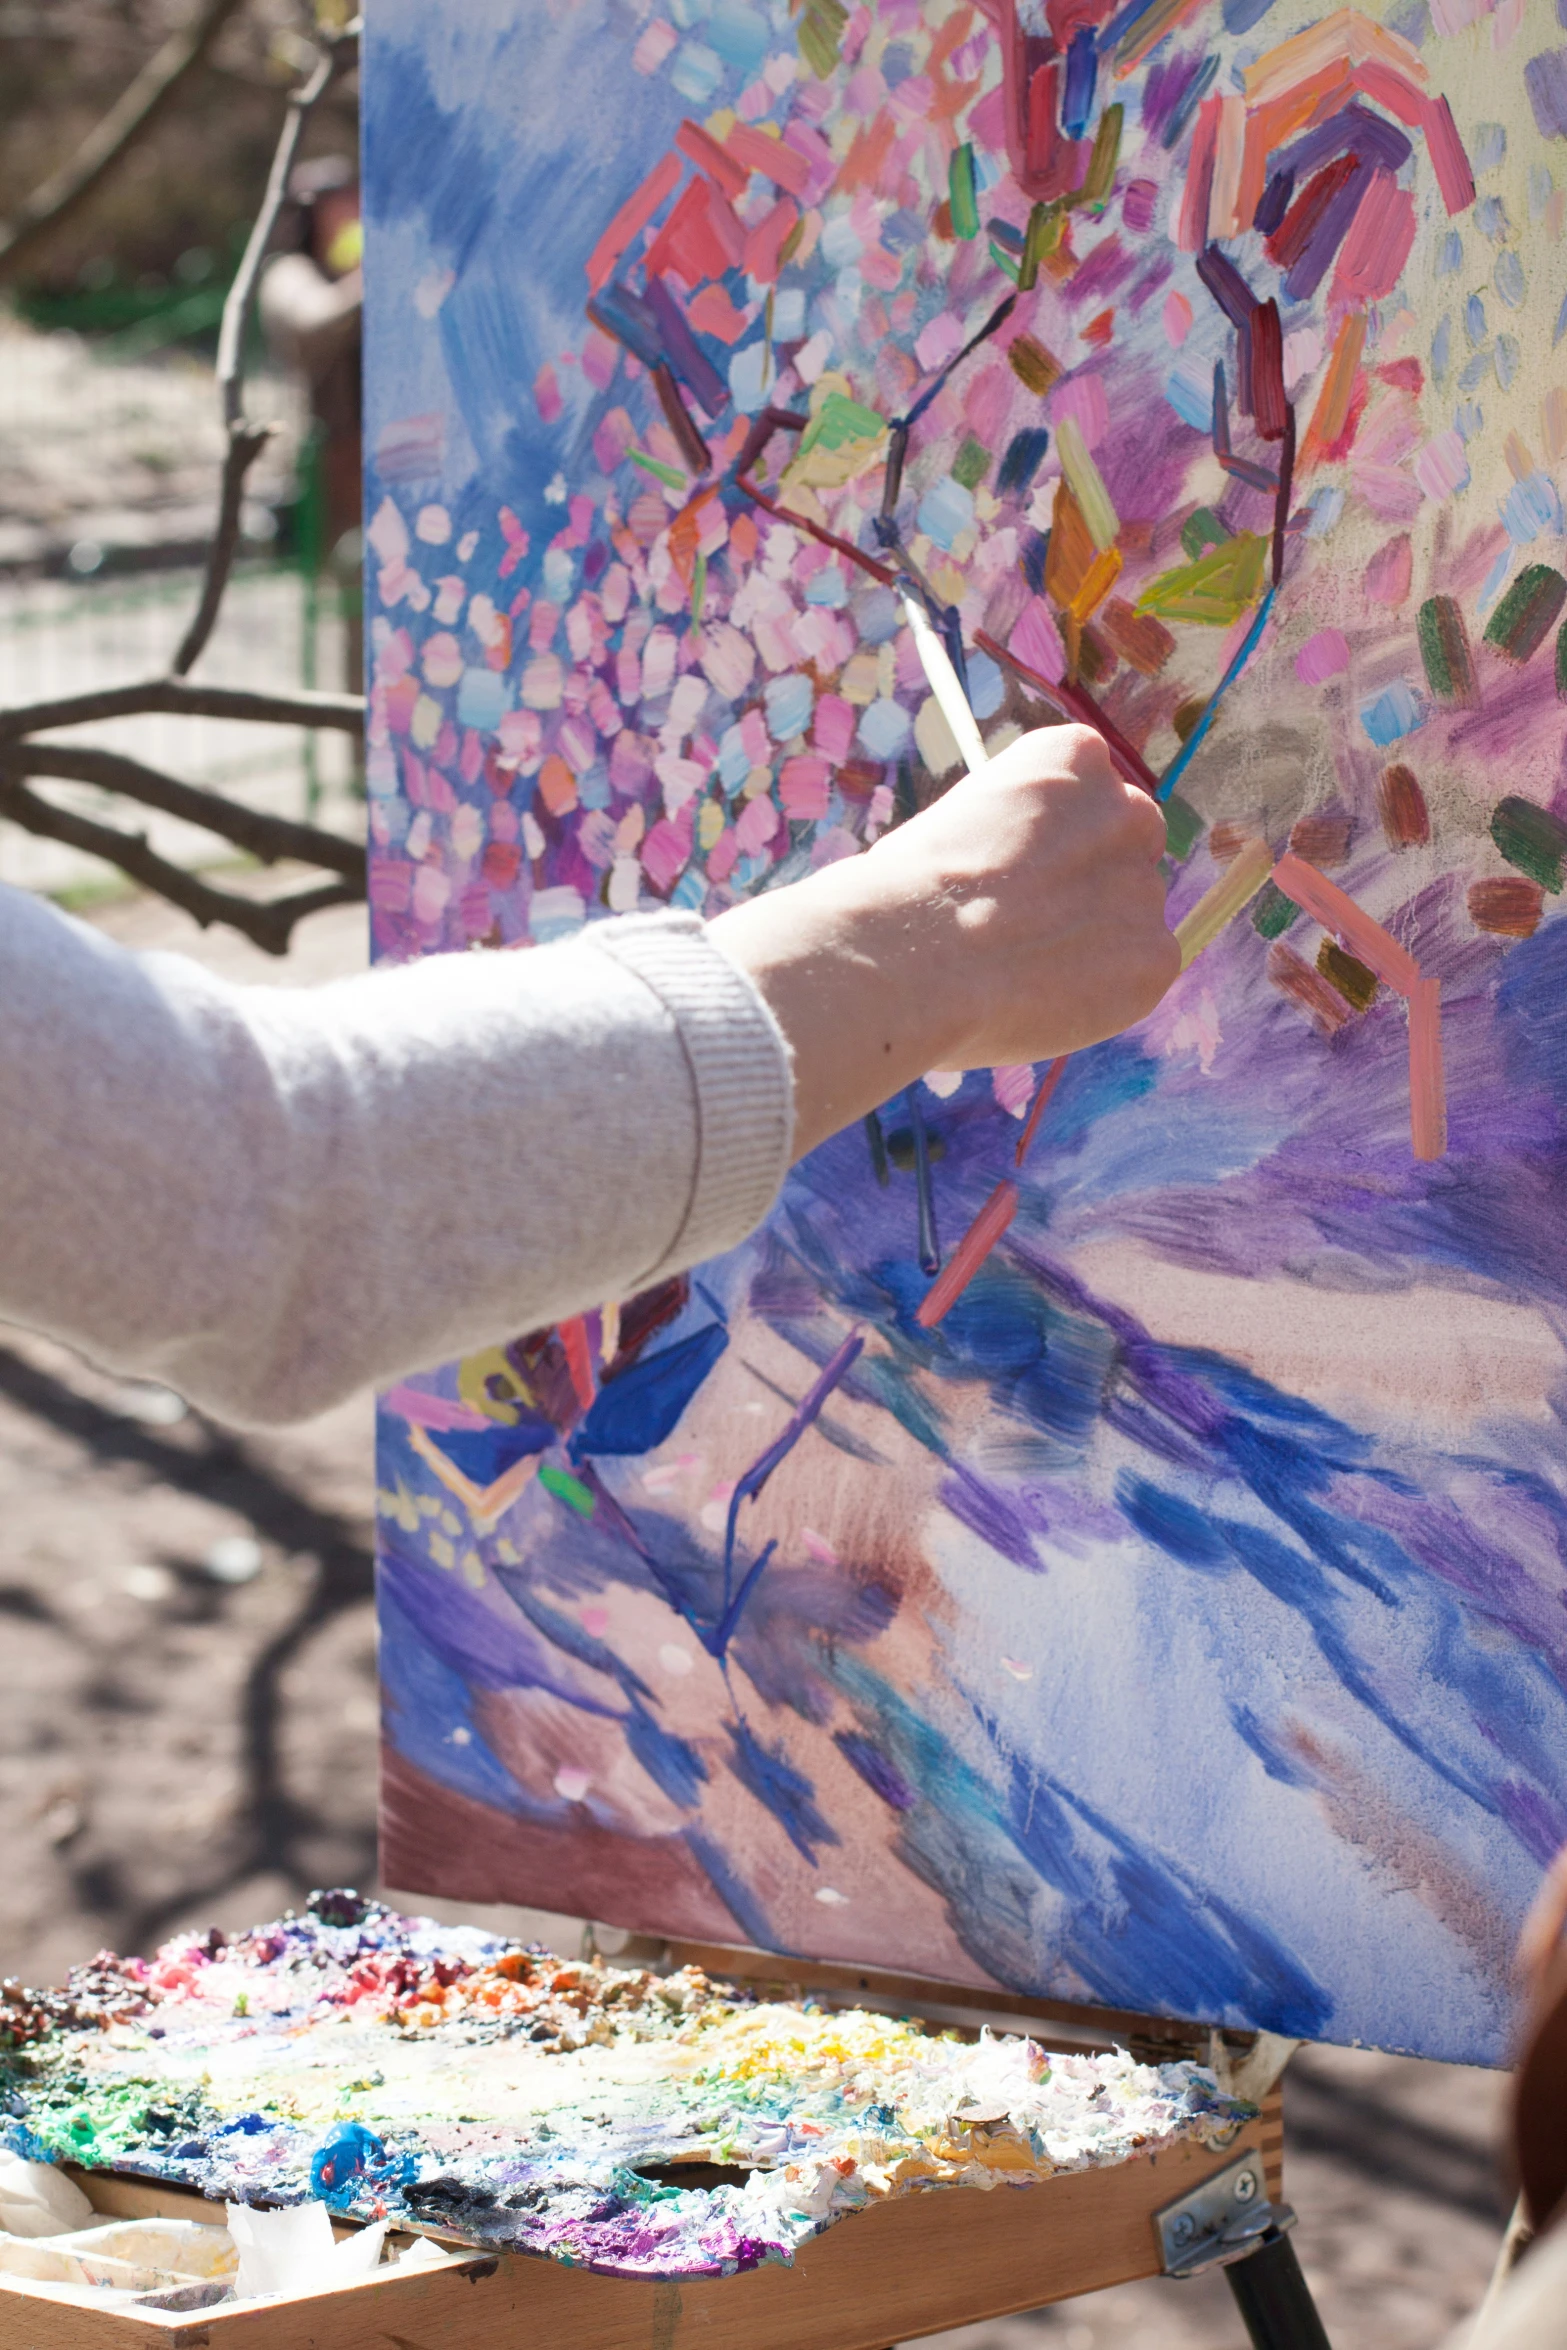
pixel 267 1198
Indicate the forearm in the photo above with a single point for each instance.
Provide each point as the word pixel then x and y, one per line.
pixel 267 1197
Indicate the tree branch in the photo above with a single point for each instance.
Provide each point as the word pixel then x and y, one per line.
pixel 245 440
pixel 343 713
pixel 266 837
pixel 269 924
pixel 65 190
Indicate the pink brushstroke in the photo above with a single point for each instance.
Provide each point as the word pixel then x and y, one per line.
pixel 1427 1080
pixel 1326 903
pixel 433 1411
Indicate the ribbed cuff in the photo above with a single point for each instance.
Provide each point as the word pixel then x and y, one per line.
pixel 740 1069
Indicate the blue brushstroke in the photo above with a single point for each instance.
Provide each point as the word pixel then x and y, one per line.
pixel 640 1408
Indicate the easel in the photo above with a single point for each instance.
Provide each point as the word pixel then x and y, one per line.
pixel 886 2275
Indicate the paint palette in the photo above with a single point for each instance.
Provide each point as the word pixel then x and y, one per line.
pixel 449 2079
pixel 1104 1536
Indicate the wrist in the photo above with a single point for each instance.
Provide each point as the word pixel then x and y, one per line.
pixel 855 980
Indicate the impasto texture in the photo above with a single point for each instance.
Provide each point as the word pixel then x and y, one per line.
pixel 400 2068
pixel 1105 1535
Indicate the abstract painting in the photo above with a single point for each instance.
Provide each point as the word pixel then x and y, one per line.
pixel 1104 1537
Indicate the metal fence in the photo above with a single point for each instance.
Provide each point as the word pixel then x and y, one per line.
pixel 108 474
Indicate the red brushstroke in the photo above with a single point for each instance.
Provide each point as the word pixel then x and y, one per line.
pixel 825 538
pixel 631 219
pixel 1267 371
pixel 1300 224
pixel 579 1358
pixel 700 239
pixel 702 149
pixel 970 1253
pixel 1076 702
pixel 1051 1080
pixel 785 166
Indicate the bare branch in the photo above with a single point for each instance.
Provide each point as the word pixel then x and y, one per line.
pixel 246 440
pixel 65 190
pixel 242 293
pixel 245 446
pixel 266 837
pixel 343 713
pixel 269 924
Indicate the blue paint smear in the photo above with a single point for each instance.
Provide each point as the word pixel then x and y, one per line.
pixel 785 1791
pixel 483 1454
pixel 640 1408
pixel 425 1701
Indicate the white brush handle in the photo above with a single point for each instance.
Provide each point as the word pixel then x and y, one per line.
pixel 942 679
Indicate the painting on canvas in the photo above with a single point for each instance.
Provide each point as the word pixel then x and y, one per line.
pixel 1104 1536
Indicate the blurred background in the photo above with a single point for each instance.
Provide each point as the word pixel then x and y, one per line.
pixel 188 1713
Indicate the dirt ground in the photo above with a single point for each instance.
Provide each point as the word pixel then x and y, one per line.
pixel 188 1733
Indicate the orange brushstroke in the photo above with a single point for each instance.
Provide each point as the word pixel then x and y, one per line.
pixel 1332 408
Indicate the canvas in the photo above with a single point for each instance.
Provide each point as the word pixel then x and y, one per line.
pixel 1104 1536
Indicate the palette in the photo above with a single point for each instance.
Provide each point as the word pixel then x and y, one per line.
pixel 448 2079
pixel 1104 1537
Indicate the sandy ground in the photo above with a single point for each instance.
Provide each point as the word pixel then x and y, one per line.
pixel 187 1736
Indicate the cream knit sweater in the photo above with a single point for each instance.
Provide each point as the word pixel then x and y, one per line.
pixel 267 1197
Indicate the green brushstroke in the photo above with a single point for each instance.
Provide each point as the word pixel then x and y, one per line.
pixel 971 464
pixel 1350 977
pixel 1444 649
pixel 1046 227
pixel 1272 912
pixel 1183 828
pixel 820 31
pixel 1200 531
pixel 566 1488
pixel 1100 175
pixel 1004 260
pixel 838 424
pixel 1527 613
pixel 1531 838
pixel 1561 663
pixel 669 475
pixel 1213 591
pixel 962 193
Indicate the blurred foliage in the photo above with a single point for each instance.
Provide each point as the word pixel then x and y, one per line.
pixel 149 257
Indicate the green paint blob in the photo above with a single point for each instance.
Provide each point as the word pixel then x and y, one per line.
pixel 1183 828
pixel 1527 613
pixel 1214 590
pixel 1531 838
pixel 1444 649
pixel 1272 912
pixel 1201 530
pixel 962 194
pixel 971 464
pixel 567 1488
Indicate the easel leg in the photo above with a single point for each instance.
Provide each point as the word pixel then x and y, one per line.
pixel 1274 2299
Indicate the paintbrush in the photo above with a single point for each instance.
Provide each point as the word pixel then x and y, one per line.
pixel 944 683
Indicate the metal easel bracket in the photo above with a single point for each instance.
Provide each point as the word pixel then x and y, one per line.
pixel 1223 2220
pixel 1229 2223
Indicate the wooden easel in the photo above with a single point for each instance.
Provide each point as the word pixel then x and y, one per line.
pixel 919 2265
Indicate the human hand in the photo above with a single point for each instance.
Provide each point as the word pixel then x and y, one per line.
pixel 1019 917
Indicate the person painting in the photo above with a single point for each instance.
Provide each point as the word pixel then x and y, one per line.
pixel 268 1199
